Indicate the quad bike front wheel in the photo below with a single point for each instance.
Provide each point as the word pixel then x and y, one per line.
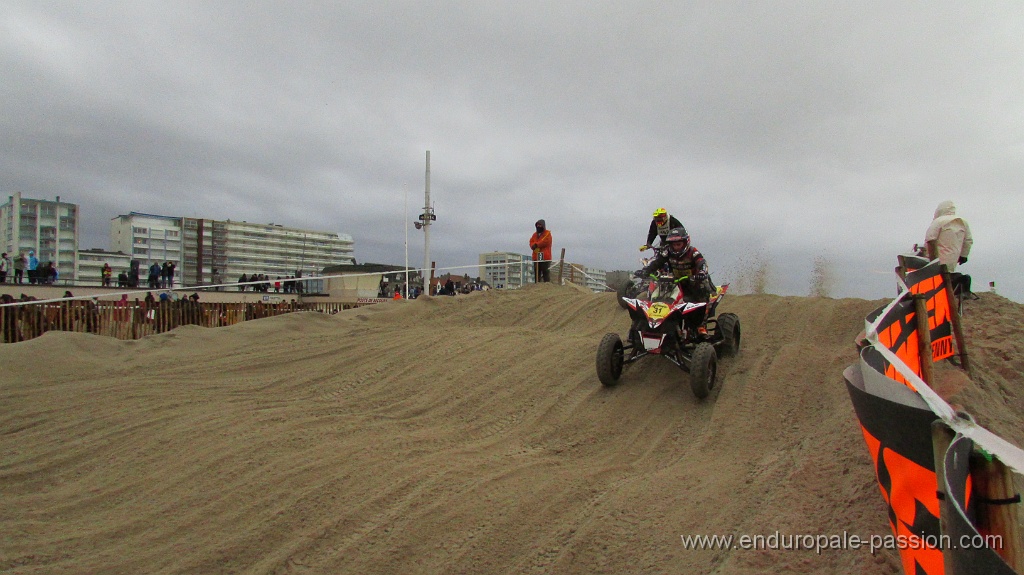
pixel 610 359
pixel 728 332
pixel 703 369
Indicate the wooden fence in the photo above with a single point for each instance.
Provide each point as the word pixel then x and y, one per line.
pixel 132 320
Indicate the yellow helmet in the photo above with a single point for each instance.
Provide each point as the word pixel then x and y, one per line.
pixel 659 212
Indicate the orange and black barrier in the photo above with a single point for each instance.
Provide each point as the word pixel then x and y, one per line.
pixel 898 437
pixel 896 409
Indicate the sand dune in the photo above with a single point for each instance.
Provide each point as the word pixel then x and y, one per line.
pixel 448 435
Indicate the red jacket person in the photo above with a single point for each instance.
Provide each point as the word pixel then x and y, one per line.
pixel 540 243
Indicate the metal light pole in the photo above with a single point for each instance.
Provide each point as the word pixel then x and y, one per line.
pixel 405 214
pixel 426 221
pixel 426 218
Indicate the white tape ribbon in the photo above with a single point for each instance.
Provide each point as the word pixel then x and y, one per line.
pixel 1011 455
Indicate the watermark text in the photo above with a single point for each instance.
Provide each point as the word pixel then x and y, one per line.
pixel 839 542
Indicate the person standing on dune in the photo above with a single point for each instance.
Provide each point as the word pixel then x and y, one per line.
pixel 949 240
pixel 540 243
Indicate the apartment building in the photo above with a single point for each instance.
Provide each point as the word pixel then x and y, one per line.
pixel 219 251
pixel 506 270
pixel 233 248
pixel 148 238
pixel 49 228
pixel 597 280
pixel 89 266
pixel 592 278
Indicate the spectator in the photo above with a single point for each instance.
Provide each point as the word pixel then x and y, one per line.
pixel 133 274
pixel 948 237
pixel 242 279
pixel 105 275
pixel 949 240
pixel 154 276
pixel 32 265
pixel 170 274
pixel 540 243
pixel 19 268
pixel 5 266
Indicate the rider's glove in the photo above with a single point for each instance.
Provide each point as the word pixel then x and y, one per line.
pixel 962 260
pixel 700 276
pixel 645 247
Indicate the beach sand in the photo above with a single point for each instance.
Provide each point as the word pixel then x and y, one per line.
pixel 453 435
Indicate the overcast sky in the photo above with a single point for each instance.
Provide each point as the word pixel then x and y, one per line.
pixel 777 132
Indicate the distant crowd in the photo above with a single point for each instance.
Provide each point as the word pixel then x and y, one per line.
pixel 27 266
pixel 263 284
pixel 449 287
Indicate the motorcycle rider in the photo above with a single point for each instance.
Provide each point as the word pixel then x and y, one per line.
pixel 661 224
pixel 684 260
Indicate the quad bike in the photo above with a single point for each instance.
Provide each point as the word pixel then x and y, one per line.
pixel 635 286
pixel 659 328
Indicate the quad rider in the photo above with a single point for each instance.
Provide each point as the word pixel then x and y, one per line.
pixel 661 224
pixel 689 268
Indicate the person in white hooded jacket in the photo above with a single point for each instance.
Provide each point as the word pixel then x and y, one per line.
pixel 948 237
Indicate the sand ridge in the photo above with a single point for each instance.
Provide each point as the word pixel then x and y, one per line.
pixel 443 435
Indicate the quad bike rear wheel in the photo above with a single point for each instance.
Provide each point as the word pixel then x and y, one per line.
pixel 610 359
pixel 703 369
pixel 728 332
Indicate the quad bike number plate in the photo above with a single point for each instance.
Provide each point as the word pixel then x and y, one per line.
pixel 658 311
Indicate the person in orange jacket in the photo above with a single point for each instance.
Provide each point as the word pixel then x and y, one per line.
pixel 540 243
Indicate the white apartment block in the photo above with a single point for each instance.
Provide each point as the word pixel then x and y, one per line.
pixel 148 238
pixel 597 280
pixel 49 228
pixel 232 248
pixel 590 278
pixel 89 270
pixel 220 251
pixel 506 270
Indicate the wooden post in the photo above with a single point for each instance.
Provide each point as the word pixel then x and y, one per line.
pixel 561 258
pixel 942 436
pixel 954 317
pixel 997 513
pixel 901 270
pixel 135 319
pixel 924 338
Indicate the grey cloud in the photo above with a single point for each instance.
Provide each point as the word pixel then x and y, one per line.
pixel 796 128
